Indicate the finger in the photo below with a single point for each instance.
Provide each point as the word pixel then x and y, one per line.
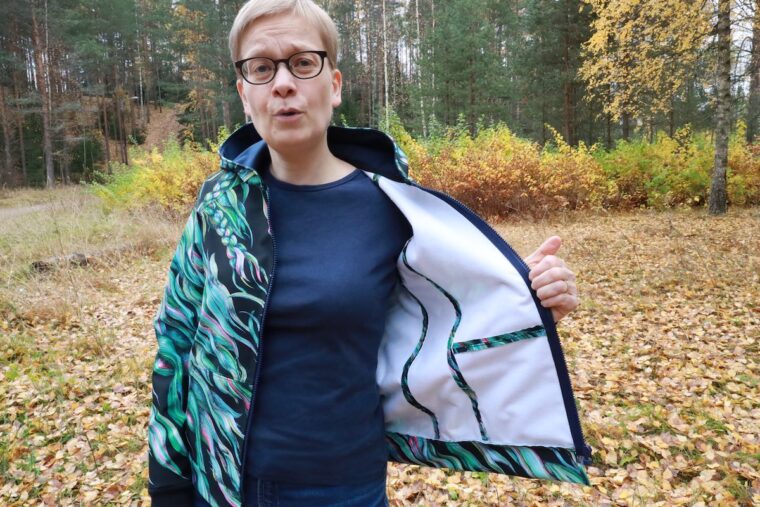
pixel 563 303
pixel 552 275
pixel 572 289
pixel 548 262
pixel 553 289
pixel 548 247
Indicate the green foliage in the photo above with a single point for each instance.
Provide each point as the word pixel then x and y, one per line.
pixel 677 171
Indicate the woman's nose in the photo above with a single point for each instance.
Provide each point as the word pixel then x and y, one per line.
pixel 283 80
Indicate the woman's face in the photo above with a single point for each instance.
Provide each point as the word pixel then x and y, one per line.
pixel 290 114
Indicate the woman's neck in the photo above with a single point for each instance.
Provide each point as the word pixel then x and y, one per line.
pixel 310 167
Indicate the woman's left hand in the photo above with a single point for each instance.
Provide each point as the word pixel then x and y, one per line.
pixel 553 281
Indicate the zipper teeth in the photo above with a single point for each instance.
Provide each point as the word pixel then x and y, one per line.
pixel 257 374
pixel 583 452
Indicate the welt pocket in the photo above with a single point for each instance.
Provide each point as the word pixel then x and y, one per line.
pixel 498 340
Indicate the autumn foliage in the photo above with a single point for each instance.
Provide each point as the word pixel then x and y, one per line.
pixel 494 172
pixel 497 173
pixel 168 178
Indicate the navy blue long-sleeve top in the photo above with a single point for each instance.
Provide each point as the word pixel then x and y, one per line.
pixel 317 416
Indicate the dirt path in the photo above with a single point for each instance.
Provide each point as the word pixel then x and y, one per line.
pixel 8 213
pixel 162 127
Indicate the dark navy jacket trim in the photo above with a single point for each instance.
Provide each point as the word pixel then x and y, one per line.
pixel 581 449
pixel 368 149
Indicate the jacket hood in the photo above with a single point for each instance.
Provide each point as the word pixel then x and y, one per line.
pixel 368 149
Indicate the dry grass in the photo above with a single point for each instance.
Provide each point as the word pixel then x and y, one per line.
pixel 70 221
pixel 30 196
pixel 662 352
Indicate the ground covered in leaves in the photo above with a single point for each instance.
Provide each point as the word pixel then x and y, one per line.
pixel 663 355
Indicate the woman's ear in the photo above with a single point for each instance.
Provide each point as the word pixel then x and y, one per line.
pixel 239 85
pixel 337 88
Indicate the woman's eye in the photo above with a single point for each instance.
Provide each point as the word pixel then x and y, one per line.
pixel 262 69
pixel 303 62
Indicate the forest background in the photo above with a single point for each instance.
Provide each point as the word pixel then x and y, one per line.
pixel 622 125
pixel 642 93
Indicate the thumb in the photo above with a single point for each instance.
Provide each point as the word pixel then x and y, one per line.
pixel 548 247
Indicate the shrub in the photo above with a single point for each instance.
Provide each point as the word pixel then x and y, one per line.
pixel 667 172
pixel 744 169
pixel 493 172
pixel 170 179
pixel 677 171
pixel 496 173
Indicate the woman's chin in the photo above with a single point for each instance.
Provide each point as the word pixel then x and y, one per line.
pixel 292 143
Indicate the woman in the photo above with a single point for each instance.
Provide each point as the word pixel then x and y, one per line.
pixel 372 296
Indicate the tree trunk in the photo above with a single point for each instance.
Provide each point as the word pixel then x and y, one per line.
pixel 718 202
pixel 569 113
pixel 543 119
pixel 132 117
pixel 418 70
pixel 214 132
pixel 385 69
pixel 226 116
pixel 41 71
pixel 626 125
pixel 434 100
pixel 106 134
pixel 22 146
pixel 608 131
pixel 568 85
pixel 120 122
pixel 753 103
pixel 471 96
pixel 19 118
pixel 7 140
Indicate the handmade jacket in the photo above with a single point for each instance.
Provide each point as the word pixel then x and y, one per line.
pixel 470 368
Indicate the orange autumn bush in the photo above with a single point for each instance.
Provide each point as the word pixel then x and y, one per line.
pixel 496 173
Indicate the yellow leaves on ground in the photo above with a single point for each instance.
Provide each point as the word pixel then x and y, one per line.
pixel 662 352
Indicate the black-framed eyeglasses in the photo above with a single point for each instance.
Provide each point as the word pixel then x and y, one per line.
pixel 260 70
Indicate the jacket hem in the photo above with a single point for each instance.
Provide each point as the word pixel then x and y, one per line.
pixel 537 462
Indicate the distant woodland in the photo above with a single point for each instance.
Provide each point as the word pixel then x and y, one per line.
pixel 80 79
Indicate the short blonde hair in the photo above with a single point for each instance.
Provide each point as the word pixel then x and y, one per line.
pixel 306 9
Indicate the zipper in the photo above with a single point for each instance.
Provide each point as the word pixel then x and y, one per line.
pixel 583 451
pixel 257 373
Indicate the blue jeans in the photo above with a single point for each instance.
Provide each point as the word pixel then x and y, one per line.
pixel 276 494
